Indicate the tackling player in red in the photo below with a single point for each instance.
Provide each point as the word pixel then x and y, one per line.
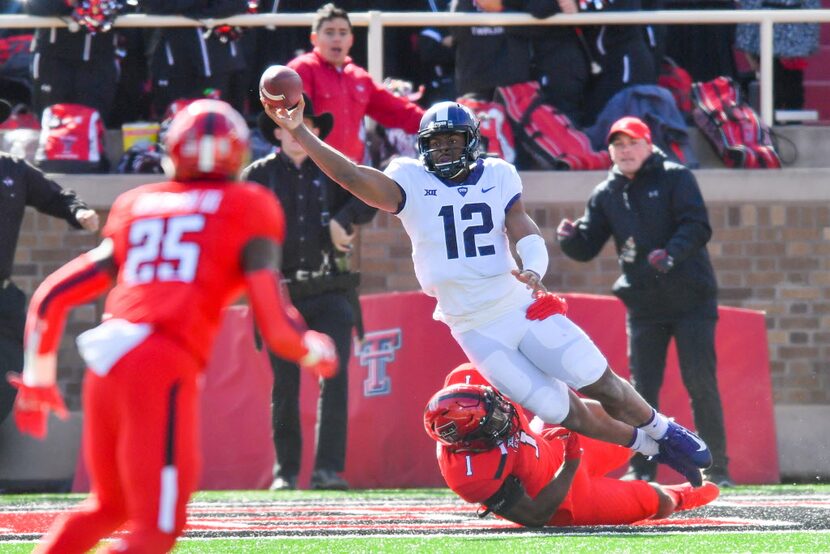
pixel 177 252
pixel 489 455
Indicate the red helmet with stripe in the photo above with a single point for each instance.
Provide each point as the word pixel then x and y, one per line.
pixel 470 417
pixel 207 140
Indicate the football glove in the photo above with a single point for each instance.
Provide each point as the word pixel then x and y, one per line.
pixel 546 305
pixel 573 450
pixel 33 404
pixel 661 260
pixel 321 358
pixel 565 230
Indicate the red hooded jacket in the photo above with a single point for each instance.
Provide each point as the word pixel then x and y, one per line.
pixel 349 94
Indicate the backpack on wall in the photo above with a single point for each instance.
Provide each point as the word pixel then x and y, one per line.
pixel 547 134
pixel 732 127
pixel 677 81
pixel 71 140
pixel 495 128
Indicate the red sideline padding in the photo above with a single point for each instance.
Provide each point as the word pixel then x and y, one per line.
pixel 404 359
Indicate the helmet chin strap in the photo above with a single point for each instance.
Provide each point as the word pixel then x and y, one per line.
pixel 462 167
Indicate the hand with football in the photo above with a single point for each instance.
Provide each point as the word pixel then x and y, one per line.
pixel 281 95
pixel 280 87
pixel 33 405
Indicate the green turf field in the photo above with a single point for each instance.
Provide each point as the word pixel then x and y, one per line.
pixel 794 518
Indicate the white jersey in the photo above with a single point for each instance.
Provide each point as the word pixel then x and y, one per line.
pixel 459 242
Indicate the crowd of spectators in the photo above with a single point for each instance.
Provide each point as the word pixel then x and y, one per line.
pixel 131 74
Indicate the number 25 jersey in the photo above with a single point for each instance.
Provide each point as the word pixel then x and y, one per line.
pixel 460 246
pixel 178 249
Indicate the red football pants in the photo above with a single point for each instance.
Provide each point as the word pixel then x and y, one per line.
pixel 141 447
pixel 600 500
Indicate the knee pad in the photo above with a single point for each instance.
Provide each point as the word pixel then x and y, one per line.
pixel 583 361
pixel 549 403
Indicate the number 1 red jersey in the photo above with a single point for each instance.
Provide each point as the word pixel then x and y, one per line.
pixel 178 249
pixel 476 476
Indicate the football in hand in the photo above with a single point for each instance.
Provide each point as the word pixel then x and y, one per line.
pixel 280 87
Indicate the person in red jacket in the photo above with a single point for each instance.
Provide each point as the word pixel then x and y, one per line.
pixel 337 85
pixel 177 252
pixel 490 455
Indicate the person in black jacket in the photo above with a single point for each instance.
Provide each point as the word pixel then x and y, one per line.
pixel 654 211
pixel 24 185
pixel 74 65
pixel 187 62
pixel 319 217
pixel 488 57
pixel 561 59
pixel 624 54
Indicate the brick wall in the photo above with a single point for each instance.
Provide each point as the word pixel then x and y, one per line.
pixel 45 244
pixel 768 256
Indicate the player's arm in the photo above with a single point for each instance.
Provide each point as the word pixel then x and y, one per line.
pixel 530 245
pixel 281 325
pixel 367 183
pixel 79 281
pixel 512 501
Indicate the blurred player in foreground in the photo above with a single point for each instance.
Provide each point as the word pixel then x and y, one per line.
pixel 489 455
pixel 178 252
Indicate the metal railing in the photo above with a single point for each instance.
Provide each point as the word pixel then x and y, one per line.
pixel 376 21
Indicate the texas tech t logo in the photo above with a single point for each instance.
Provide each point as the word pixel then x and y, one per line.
pixel 375 352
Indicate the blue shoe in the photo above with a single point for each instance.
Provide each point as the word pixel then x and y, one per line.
pixel 682 443
pixel 680 465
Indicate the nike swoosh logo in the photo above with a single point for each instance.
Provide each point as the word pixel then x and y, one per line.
pixel 488 190
pixel 700 443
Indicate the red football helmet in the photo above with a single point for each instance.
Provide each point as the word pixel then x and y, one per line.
pixel 470 417
pixel 207 140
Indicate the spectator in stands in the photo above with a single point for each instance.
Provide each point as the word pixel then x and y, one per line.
pixel 436 54
pixel 655 213
pixel 560 58
pixel 76 66
pixel 623 54
pixel 320 219
pixel 24 186
pixel 792 44
pixel 337 85
pixel 132 97
pixel 488 57
pixel 15 58
pixel 705 51
pixel 191 62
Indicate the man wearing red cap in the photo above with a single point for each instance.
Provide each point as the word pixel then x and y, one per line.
pixel 655 212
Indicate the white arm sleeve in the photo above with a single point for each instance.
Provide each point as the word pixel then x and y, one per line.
pixel 534 254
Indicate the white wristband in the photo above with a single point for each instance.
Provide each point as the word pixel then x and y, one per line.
pixel 534 254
